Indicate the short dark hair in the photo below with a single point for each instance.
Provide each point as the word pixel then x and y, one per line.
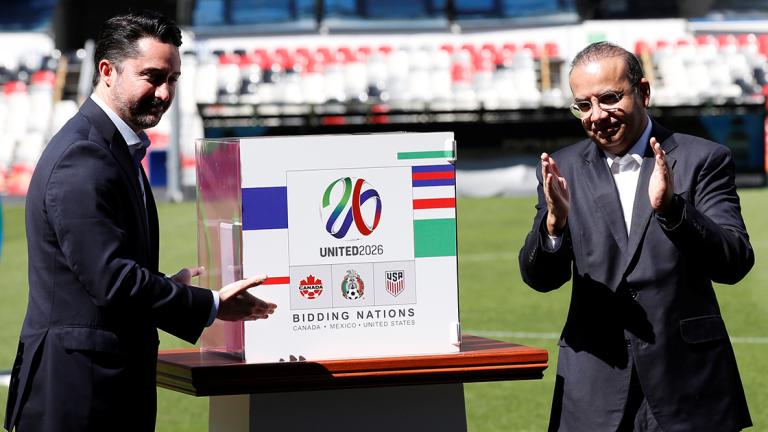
pixel 602 50
pixel 118 37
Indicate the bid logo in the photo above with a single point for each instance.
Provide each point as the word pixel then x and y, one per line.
pixel 352 287
pixel 311 288
pixel 347 201
pixel 395 281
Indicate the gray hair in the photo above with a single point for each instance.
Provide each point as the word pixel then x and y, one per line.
pixel 601 50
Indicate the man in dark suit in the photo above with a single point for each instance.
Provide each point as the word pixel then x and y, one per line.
pixel 642 220
pixel 88 345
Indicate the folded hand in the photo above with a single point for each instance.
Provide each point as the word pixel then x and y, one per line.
pixel 556 194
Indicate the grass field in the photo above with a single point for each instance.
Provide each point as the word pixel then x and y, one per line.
pixel 494 303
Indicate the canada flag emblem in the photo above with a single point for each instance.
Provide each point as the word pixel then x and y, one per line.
pixel 310 288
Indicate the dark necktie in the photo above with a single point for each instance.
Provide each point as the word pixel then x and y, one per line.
pixel 138 151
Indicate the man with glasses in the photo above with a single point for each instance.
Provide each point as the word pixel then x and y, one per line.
pixel 643 220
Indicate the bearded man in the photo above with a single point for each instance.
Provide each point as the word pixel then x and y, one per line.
pixel 88 348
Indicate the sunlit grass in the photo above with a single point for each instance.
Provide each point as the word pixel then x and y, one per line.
pixel 492 298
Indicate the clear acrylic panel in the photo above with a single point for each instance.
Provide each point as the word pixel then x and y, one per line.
pixel 219 236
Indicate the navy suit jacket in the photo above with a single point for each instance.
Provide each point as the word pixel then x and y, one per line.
pixel 647 298
pixel 88 346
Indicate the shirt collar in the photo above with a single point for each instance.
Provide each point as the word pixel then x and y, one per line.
pixel 638 149
pixel 131 138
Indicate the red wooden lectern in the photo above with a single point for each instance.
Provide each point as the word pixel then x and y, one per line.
pixel 393 394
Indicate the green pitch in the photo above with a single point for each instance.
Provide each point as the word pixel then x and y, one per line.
pixel 494 303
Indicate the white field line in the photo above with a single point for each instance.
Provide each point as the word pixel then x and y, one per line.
pixel 749 340
pixel 479 257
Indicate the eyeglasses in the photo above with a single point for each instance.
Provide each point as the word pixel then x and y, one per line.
pixel 607 101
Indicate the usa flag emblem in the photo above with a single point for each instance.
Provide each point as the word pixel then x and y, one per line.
pixel 395 281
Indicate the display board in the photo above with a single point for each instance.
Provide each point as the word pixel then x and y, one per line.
pixel 357 234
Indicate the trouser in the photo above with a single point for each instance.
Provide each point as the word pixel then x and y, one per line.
pixel 637 414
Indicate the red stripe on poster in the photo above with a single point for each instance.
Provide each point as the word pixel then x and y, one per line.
pixel 433 203
pixel 278 280
pixel 440 175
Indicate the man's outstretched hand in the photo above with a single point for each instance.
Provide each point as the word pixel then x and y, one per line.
pixel 236 303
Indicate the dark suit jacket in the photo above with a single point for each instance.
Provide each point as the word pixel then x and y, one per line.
pixel 88 345
pixel 647 299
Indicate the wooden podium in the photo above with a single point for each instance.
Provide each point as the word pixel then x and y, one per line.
pixel 372 394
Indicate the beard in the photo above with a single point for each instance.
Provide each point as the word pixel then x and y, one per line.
pixel 146 112
pixel 140 113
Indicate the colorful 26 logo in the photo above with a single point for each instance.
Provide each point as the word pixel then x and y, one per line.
pixel 349 207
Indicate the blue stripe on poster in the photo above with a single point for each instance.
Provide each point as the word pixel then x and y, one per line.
pixel 437 182
pixel 432 168
pixel 265 208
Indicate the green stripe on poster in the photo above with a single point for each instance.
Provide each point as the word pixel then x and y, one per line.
pixel 425 154
pixel 434 237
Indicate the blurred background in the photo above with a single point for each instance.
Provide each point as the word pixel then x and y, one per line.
pixel 492 71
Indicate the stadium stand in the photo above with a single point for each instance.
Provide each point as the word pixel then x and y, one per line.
pixel 290 82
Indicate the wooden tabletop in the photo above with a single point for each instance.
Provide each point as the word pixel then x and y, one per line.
pixel 208 373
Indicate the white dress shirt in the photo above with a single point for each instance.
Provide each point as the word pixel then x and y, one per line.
pixel 626 172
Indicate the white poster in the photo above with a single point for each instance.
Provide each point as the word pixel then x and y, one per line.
pixel 358 236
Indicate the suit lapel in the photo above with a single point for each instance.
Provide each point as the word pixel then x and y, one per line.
pixel 153 231
pixel 642 211
pixel 603 189
pixel 117 145
pixel 123 155
pixel 120 150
